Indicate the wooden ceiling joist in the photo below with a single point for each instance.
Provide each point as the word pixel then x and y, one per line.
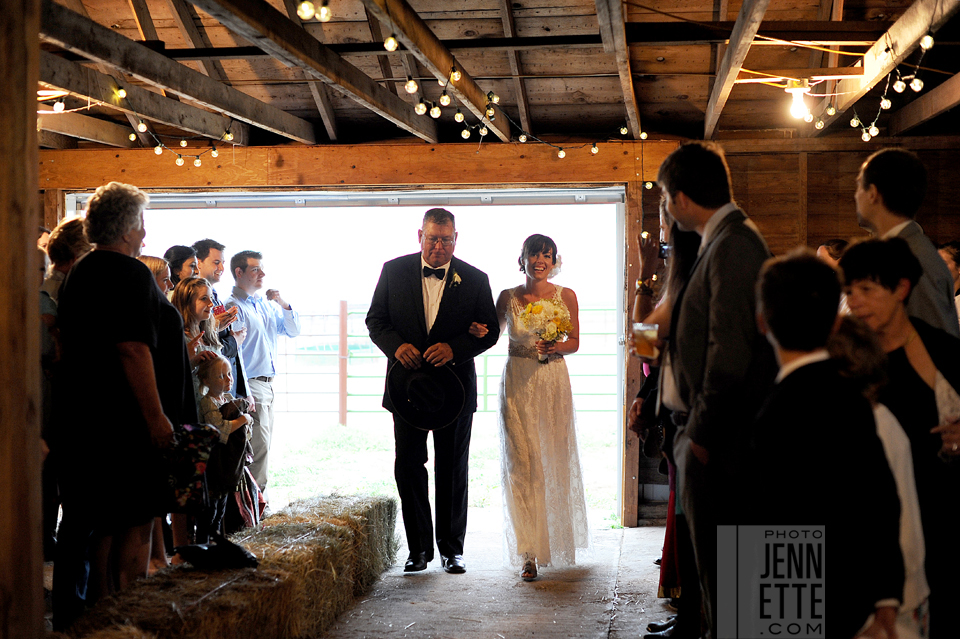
pixel 376 35
pixel 84 127
pixel 418 38
pixel 51 140
pixel 185 17
pixel 276 34
pixel 83 36
pixel 926 107
pixel 89 83
pixel 146 28
pixel 921 18
pixel 614 33
pixel 319 92
pixel 513 57
pixel 748 22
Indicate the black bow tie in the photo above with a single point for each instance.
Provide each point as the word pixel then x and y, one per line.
pixel 436 272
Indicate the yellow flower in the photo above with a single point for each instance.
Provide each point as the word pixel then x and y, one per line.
pixel 528 308
pixel 537 309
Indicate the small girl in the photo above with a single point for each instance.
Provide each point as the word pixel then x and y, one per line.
pixel 227 458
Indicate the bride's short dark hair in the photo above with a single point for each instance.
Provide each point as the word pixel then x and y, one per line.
pixel 534 244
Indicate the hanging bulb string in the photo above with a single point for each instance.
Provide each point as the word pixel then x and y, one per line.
pixel 531 136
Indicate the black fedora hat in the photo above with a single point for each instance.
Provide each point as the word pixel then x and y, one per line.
pixel 428 398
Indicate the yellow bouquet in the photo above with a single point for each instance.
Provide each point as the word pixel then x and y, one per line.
pixel 549 321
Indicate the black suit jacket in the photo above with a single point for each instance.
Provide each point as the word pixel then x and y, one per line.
pixel 819 461
pixel 396 317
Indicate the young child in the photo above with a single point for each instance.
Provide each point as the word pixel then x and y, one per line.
pixel 227 459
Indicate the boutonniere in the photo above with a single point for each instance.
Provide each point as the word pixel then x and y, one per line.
pixel 455 280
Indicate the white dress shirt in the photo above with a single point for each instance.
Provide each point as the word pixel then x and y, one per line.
pixel 432 292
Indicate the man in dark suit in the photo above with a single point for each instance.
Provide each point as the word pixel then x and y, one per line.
pixel 814 417
pixel 420 315
pixel 890 189
pixel 719 365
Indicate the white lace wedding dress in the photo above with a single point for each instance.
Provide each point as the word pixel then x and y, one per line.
pixel 543 497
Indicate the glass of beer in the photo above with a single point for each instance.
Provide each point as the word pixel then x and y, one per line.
pixel 645 340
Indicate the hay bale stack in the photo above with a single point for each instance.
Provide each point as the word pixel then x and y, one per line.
pixel 315 555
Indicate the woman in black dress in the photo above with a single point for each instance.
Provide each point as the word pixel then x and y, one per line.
pixel 923 369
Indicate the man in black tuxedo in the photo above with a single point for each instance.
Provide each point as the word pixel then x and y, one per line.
pixel 815 417
pixel 721 366
pixel 420 315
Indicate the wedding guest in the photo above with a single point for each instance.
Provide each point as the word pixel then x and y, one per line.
pixel 923 368
pixel 43 238
pixel 137 368
pixel 161 271
pixel 183 262
pixel 950 252
pixel 831 250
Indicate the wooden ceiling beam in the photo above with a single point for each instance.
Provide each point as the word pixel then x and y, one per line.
pixel 376 35
pixel 258 22
pixel 900 40
pixel 614 34
pixel 139 103
pixel 146 28
pixel 416 36
pixel 319 92
pixel 748 22
pixel 926 107
pixel 513 57
pixel 185 16
pixel 819 73
pixel 51 140
pixel 84 36
pixel 85 127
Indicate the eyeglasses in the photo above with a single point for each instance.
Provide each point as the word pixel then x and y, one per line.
pixel 445 241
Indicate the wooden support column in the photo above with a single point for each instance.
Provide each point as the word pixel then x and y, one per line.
pixel 53 202
pixel 633 373
pixel 21 557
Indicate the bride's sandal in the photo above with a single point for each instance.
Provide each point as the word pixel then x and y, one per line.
pixel 529 572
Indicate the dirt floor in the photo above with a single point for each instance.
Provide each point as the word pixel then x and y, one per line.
pixel 610 594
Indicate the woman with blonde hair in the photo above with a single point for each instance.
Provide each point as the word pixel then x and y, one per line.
pixel 161 271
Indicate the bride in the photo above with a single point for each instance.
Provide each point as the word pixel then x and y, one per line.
pixel 540 467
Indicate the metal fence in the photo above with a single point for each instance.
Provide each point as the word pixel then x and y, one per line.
pixel 333 367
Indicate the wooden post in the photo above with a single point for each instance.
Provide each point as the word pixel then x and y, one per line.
pixel 21 560
pixel 344 353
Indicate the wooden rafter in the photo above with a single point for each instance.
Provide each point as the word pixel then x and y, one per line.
pixel 748 22
pixel 186 18
pixel 614 34
pixel 84 36
pixel 922 17
pixel 409 64
pixel 258 22
pixel 89 83
pixel 417 37
pixel 51 140
pixel 146 28
pixel 828 10
pixel 319 92
pixel 86 128
pixel 513 57
pixel 928 106
pixel 376 35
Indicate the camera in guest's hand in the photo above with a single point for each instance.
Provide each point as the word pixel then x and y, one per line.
pixel 664 252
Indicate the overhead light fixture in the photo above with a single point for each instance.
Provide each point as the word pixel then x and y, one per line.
pixel 885 103
pixel 819 125
pixel 926 42
pixel 561 153
pixel 465 134
pixel 420 108
pixel 324 14
pixel 483 131
pixel 916 84
pixel 522 138
pixel 458 116
pixel 59 106
pixel 624 130
pixel 391 44
pixel 899 86
pixel 411 86
pixel 493 97
pixel 435 111
pixel 874 131
pixel 306 10
pixel 798 88
pixel 831 110
pixel 445 99
pixel 455 74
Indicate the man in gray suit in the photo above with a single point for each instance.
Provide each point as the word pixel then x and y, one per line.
pixel 890 190
pixel 720 365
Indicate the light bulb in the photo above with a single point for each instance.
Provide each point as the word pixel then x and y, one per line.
pixel 228 136
pixel 808 117
pixel 132 137
pixel 492 97
pixel 391 44
pixel 325 13
pixel 465 134
pixel 445 99
pixel 643 135
pixel 58 106
pixel 179 160
pixel 435 111
pixel 455 75
pixel 441 82
pixel 855 122
pixel 561 154
pixel 916 84
pixel 214 153
pixel 121 93
pixel 483 131
pixel 798 109
pixel 458 116
pixel 183 143
pixel 926 42
pixel 196 162
pixel 819 125
pixel 874 131
pixel 421 108
pixel 885 103
pixel 522 138
pixel 648 185
pixel 142 127
pixel 306 10
pixel 411 86
pixel 491 112
pixel 866 136
pixel 899 86
pixel 831 110
pixel 594 149
pixel 623 130
pixel 158 150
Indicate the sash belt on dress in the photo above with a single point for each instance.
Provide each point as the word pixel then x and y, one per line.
pixel 530 352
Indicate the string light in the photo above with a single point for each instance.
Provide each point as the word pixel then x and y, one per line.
pixel 421 107
pixel 441 82
pixel 643 135
pixel 458 116
pixel 306 10
pixel 874 131
pixel 866 136
pixel 926 42
pixel 455 74
pixel 522 138
pixel 561 153
pixel 808 117
pixel 445 99
pixel 916 84
pixel 855 122
pixel 819 125
pixel 411 86
pixel 493 97
pixel 228 136
pixel 483 131
pixel 158 149
pixel 214 153
pixel 831 110
pixel 391 44
pixel 58 106
pixel 179 160
pixel 132 137
pixel 648 185
pixel 465 134
pixel 435 111
pixel 142 127
pixel 325 13
pixel 797 89
pixel 491 112
pixel 885 103
pixel 121 93
pixel 624 130
pixel 899 86
pixel 594 149
pixel 183 142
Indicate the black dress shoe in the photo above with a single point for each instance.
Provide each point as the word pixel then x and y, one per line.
pixel 660 626
pixel 453 564
pixel 663 634
pixel 416 562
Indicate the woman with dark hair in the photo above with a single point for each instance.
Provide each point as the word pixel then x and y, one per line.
pixel 542 482
pixel 923 368
pixel 183 262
